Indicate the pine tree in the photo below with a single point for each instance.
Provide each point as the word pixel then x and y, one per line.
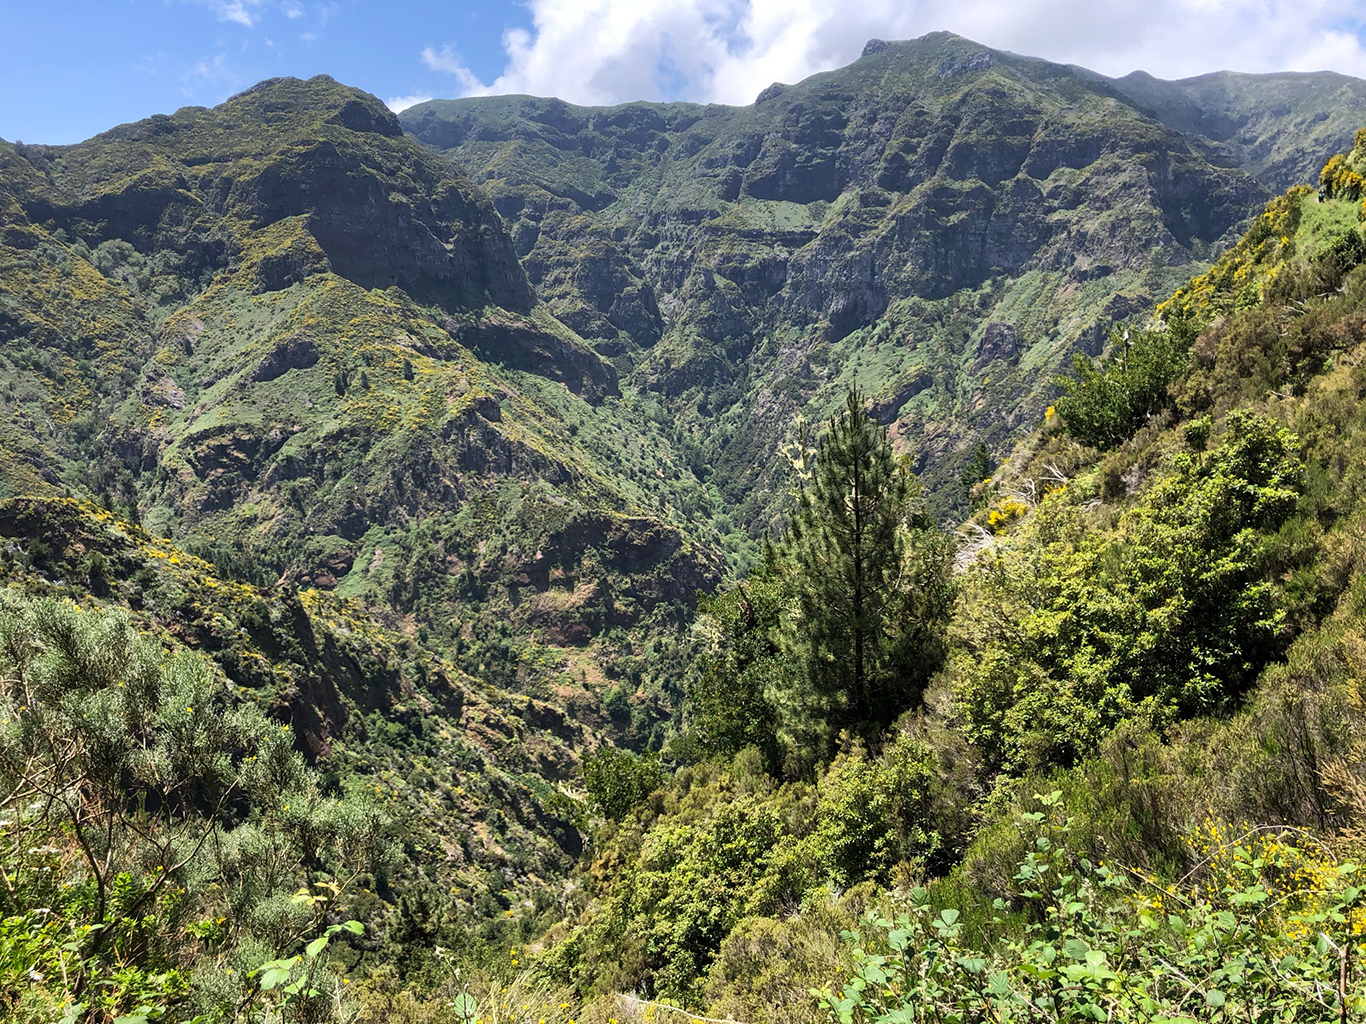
pixel 872 580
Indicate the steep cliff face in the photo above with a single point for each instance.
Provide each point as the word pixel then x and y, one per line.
pixel 285 334
pixel 382 211
pixel 1281 128
pixel 854 228
pixel 869 223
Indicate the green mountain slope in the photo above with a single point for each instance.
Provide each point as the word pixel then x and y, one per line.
pixel 282 333
pixel 423 477
pixel 865 225
pixel 1137 783
pixel 464 775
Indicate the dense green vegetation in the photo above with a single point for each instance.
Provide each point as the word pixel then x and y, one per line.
pixel 1155 623
pixel 1104 406
pixel 842 626
pixel 227 840
pixel 939 225
pixel 365 649
pixel 302 346
pixel 456 778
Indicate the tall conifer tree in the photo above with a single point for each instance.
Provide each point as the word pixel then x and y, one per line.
pixel 872 579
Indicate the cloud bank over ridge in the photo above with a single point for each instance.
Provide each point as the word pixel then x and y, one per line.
pixel 726 51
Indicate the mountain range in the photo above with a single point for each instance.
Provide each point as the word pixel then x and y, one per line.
pixel 430 431
pixel 869 225
pixel 285 331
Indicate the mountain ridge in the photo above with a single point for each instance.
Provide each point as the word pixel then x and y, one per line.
pixel 316 352
pixel 820 209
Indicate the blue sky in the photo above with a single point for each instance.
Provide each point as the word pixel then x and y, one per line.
pixel 77 67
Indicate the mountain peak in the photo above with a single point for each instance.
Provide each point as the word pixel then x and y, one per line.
pixel 352 108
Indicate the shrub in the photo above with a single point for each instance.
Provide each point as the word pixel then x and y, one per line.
pixel 169 832
pixel 1104 404
pixel 1263 932
pixel 618 781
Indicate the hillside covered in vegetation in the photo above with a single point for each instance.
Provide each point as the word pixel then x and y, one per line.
pixel 415 606
pixel 1130 785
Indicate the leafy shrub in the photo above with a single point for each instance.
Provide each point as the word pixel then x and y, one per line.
pixel 1103 405
pixel 618 781
pixel 1171 616
pixel 1339 180
pixel 161 824
pixel 734 844
pixel 740 665
pixel 1263 932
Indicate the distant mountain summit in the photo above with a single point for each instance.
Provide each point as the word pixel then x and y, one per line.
pixel 1281 128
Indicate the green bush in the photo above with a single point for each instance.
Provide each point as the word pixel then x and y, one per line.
pixel 1264 932
pixel 1102 405
pixel 1169 616
pixel 618 781
pixel 170 832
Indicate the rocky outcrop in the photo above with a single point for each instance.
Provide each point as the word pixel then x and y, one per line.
pixel 441 243
pixel 887 407
pixel 939 188
pixel 383 210
pixel 163 390
pixel 296 353
pixel 524 345
pixel 600 570
pixel 589 281
pixel 998 342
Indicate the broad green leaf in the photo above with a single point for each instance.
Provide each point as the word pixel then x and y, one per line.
pixel 465 1006
pixel 274 978
pixel 1075 949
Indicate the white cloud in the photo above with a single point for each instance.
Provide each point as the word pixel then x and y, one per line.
pixel 450 62
pixel 611 51
pixel 214 69
pixel 211 80
pixel 236 12
pixel 246 13
pixel 398 104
